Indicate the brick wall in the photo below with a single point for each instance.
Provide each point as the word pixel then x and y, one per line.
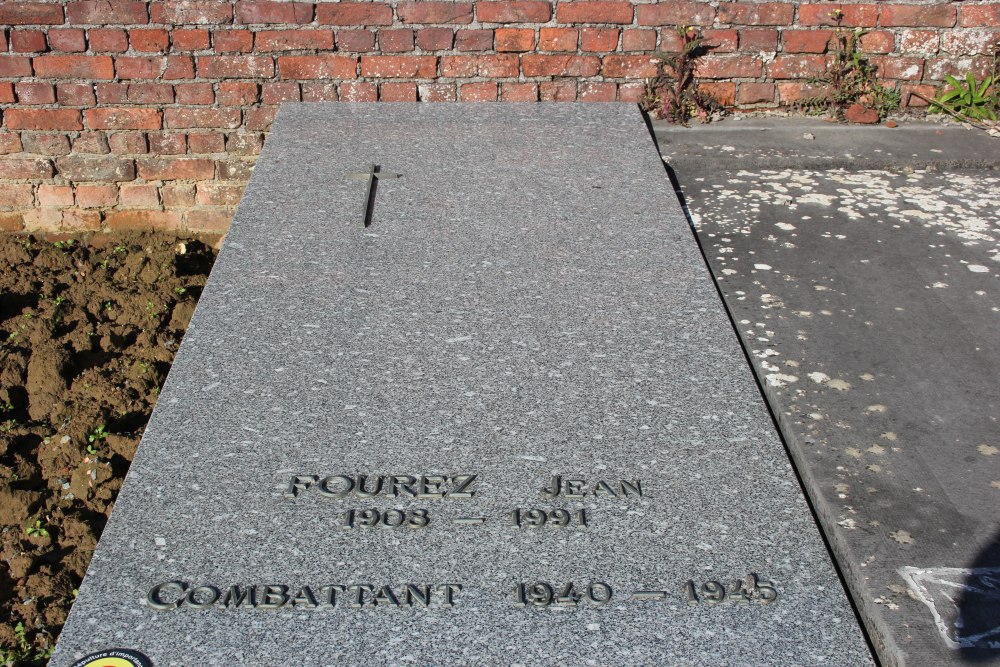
pixel 122 113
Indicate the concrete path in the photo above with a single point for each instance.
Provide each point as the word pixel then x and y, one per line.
pixel 861 267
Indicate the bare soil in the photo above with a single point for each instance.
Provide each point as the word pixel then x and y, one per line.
pixel 88 330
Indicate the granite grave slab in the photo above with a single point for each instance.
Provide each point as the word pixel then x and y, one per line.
pixel 498 418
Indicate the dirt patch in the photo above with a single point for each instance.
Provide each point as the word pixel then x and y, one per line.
pixel 88 330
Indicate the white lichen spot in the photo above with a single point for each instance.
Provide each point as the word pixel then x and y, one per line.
pixel 854 452
pixel 876 449
pixel 876 408
pixel 848 524
pixel 889 435
pixel 839 385
pixel 901 536
pixel 987 450
pixel 780 379
pixel 762 267
pixel 785 226
pixel 978 268
pixel 818 378
pixel 867 377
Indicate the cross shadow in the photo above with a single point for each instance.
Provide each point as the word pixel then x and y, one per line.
pixel 370 204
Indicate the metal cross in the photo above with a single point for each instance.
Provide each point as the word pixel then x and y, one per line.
pixel 372 175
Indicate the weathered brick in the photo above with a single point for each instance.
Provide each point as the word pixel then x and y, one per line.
pixel 232 41
pixel 721 41
pixel 919 16
pixel 749 13
pixel 563 90
pixel 154 67
pixel 235 67
pixel 11 222
pixel 972 16
pixel 723 92
pixel 139 195
pixel 516 39
pixel 96 195
pixel 936 68
pixel 46 144
pixel 790 92
pixel 123 119
pixel 7 92
pixel 919 41
pixel 184 118
pixel 27 41
pixel 597 91
pixel 261 119
pixel 556 39
pixel 594 12
pixel 969 42
pixel 30 13
pixel 806 41
pixel 43 119
pixel 356 40
pixel 878 41
pixel 219 193
pixel 245 143
pixel 97 68
pixel 435 39
pixel 911 99
pixel 758 40
pixel 638 40
pixel 200 12
pixel 206 142
pixel 437 92
pixel 105 12
pixel 629 67
pixel 150 93
pixel 236 170
pixel 128 143
pixel 260 12
pixel 70 40
pixel 190 39
pixel 434 11
pixel 97 169
pixel 356 91
pixel 149 40
pixel 599 40
pixel 108 40
pixel 16 195
pixel 124 219
pixel 238 93
pixel 474 40
pixel 50 194
pixel 514 11
pixel 492 66
pixel 23 169
pixel 197 93
pixel 397 91
pixel 796 66
pixel 480 91
pixel 215 221
pixel 323 66
pixel 353 13
pixel 292 40
pixel 755 93
pixel 519 92
pixel 177 194
pixel 904 69
pixel 536 65
pixel 10 142
pixel 176 169
pixel 850 15
pixel 112 93
pixel 35 92
pixel 276 92
pixel 399 67
pixel 317 91
pixel 728 66
pixel 395 41
pixel 91 142
pixel 68 220
pixel 167 143
pixel 676 13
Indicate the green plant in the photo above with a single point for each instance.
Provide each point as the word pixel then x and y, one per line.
pixel 180 290
pixel 38 529
pixel 674 93
pixel 23 653
pixel 969 98
pixel 6 406
pixel 65 245
pixel 98 434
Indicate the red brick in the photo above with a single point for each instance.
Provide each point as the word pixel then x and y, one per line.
pixel 206 142
pixel 726 67
pixel 972 16
pixel 184 118
pixel 594 12
pixel 796 66
pixel 232 41
pixel 919 16
pixel 167 143
pixel 878 41
pixel 397 91
pixel 895 67
pixel 99 68
pixel 27 41
pixel 23 169
pixel 631 92
pixel 7 92
pixel 46 144
pixel 17 195
pixel 358 92
pixel 112 93
pixel 238 93
pixel 758 40
pixel 121 220
pixel 176 169
pixel 790 92
pixel 177 195
pixel 629 67
pixel 558 91
pixel 43 119
pixel 11 222
pixel 638 40
pixel 490 66
pixel 215 221
pixel 75 94
pixel 55 195
pixel 825 14
pixel 280 91
pixel 96 196
pixel 101 12
pixel 395 41
pixel 399 67
pixel 747 13
pixel 257 11
pixel 519 92
pixel 139 195
pixel 353 13
pixel 245 143
pixel 721 41
pixel 201 12
pixel 190 39
pixel 535 65
pixel 480 91
pixel 433 11
pixel 154 67
pixel 123 119
pixel 150 93
pixel 599 39
pixel 149 40
pixel 291 40
pixel 755 93
pixel 598 91
pixel 219 194
pixel 10 142
pixel 557 39
pixel 517 39
pixel 91 142
pixel 127 143
pixel 806 41
pixel 356 40
pixel 70 40
pixel 31 93
pixel 108 40
pixel 324 66
pixel 921 41
pixel 936 68
pixel 104 168
pixel 435 39
pixel 3 41
pixel 514 11
pixel 15 66
pixel 911 100
pixel 30 13
pixel 235 67
pixel 676 13
pixel 723 92
pixel 437 92
pixel 474 40
pixel 198 93
pixel 969 42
